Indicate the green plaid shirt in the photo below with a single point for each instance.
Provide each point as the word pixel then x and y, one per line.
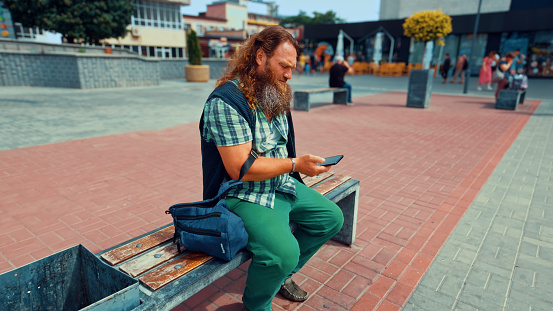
pixel 226 127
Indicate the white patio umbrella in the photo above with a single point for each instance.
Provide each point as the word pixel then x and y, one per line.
pixel 340 44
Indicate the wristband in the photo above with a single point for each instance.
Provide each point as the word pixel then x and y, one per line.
pixel 293 165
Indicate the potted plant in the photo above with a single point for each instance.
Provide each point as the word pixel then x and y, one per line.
pixel 195 72
pixel 427 27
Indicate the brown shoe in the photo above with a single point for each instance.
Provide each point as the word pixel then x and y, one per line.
pixel 292 291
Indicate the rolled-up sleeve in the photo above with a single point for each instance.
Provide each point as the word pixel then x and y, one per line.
pixel 224 125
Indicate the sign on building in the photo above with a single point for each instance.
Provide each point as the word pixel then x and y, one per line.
pixel 6 23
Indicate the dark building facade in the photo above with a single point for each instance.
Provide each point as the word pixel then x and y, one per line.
pixel 527 26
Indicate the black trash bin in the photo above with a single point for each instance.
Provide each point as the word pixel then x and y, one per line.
pixel 73 279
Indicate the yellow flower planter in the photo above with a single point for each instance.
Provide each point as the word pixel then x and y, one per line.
pixel 427 26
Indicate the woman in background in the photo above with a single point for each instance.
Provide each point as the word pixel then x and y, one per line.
pixel 504 65
pixel 485 76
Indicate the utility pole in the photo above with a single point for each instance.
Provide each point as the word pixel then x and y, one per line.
pixel 467 73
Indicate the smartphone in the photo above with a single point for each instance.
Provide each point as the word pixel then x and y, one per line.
pixel 331 160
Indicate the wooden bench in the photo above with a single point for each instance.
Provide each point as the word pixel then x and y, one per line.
pixel 301 98
pixel 167 278
pixel 510 99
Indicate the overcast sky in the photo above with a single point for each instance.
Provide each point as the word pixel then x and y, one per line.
pixel 351 10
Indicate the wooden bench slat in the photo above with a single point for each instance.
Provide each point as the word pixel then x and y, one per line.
pixel 150 260
pixel 173 270
pixel 139 246
pixel 331 184
pixel 311 181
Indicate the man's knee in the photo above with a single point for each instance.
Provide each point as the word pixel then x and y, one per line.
pixel 283 257
pixel 338 217
pixel 333 219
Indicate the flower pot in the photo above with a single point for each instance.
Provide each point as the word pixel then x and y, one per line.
pixel 197 73
pixel 108 50
pixel 420 87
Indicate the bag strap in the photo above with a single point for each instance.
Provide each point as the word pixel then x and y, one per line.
pixel 225 187
pixel 246 166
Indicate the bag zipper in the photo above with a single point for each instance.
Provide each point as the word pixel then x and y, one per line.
pixel 199 231
pixel 210 215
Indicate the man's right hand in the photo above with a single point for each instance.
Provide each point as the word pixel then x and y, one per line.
pixel 265 168
pixel 307 164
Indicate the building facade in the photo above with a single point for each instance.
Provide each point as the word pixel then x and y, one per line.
pixel 505 25
pixel 156 29
pixel 226 24
pixel 401 9
pixel 159 29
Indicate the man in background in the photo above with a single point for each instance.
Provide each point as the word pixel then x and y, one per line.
pixel 338 72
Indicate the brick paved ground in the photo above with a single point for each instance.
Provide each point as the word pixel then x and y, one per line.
pixel 420 170
pixel 499 256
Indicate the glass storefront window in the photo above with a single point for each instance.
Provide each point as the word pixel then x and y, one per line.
pixel 540 59
pixel 475 62
pixel 416 52
pixel 510 41
pixel 451 47
pixel 156 14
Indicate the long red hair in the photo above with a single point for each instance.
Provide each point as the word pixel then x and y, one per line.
pixel 243 64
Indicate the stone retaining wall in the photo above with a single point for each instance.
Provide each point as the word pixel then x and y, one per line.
pixel 75 70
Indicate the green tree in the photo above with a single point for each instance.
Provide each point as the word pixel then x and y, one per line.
pixel 80 20
pixel 194 49
pixel 327 18
pixel 30 13
pixel 295 21
pixel 319 18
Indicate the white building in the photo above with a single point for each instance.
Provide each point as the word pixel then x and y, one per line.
pixel 398 9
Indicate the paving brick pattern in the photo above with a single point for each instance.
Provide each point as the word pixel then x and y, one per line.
pixel 420 170
pixel 38 116
pixel 499 255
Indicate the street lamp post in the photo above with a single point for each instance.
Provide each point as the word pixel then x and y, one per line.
pixel 467 74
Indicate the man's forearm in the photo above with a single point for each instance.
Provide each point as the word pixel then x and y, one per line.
pixel 266 168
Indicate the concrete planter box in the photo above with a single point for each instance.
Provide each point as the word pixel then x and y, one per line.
pixel 509 99
pixel 420 88
pixel 73 279
pixel 197 73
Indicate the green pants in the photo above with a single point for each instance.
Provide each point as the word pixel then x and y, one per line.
pixel 276 252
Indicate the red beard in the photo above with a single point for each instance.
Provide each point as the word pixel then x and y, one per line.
pixel 273 96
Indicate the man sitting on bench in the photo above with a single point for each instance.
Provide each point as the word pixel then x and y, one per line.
pixel 337 74
pixel 249 110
